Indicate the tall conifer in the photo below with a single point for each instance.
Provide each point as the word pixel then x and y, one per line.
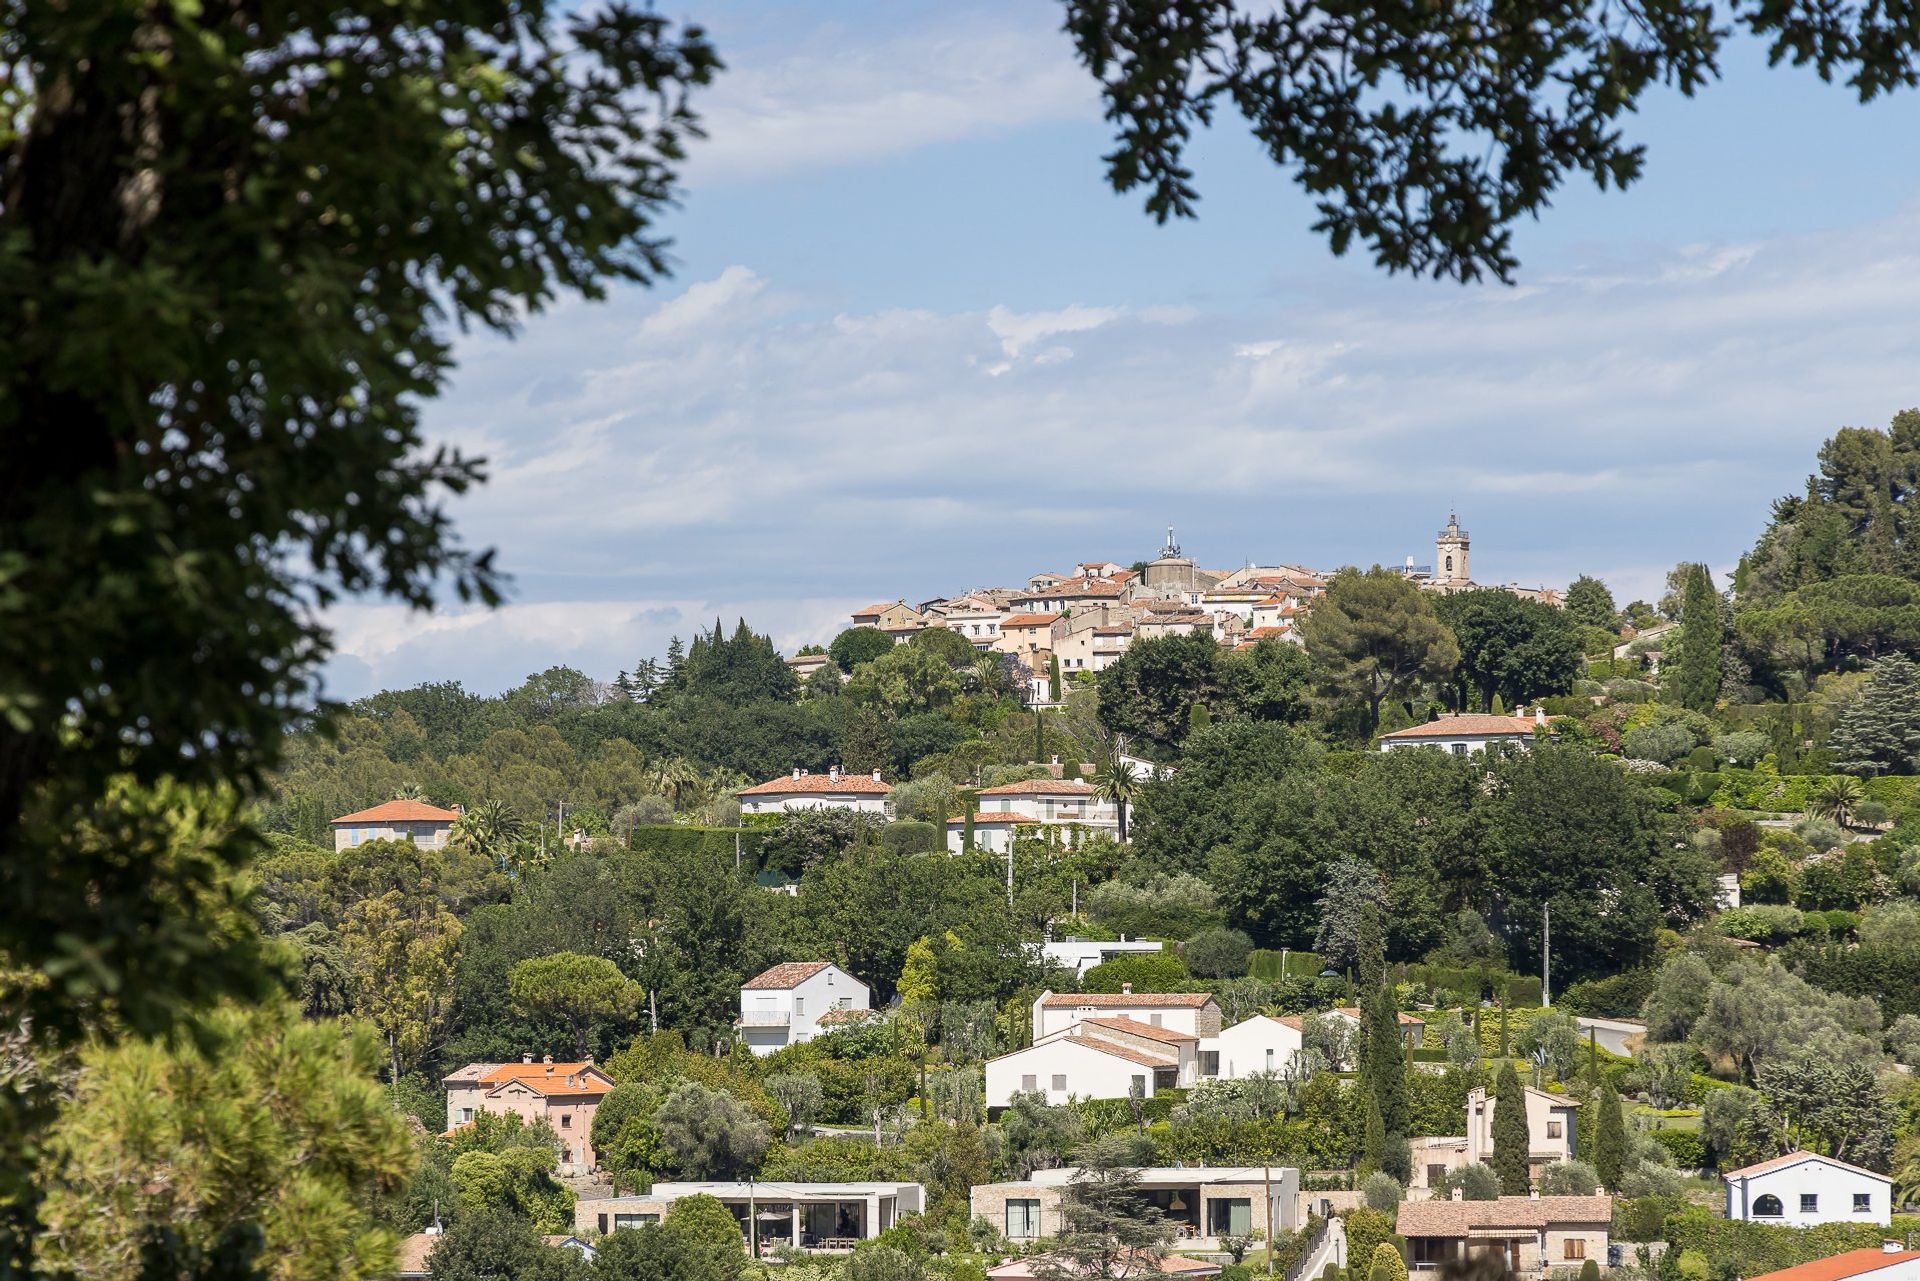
pixel 1512 1136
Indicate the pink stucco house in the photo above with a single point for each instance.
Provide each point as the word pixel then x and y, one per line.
pixel 564 1095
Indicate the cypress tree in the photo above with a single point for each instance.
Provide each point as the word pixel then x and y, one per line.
pixel 1386 1073
pixel 1373 1149
pixel 1609 1137
pixel 1039 738
pixel 1512 1136
pixel 1695 679
pixel 1370 950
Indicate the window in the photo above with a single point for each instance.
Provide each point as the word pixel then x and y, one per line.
pixel 1767 1207
pixel 566 1120
pixel 466 1115
pixel 1809 1203
pixel 631 1220
pixel 799 1006
pixel 1435 1173
pixel 1269 1059
pixel 1553 1129
pixel 1230 1217
pixel 1576 1248
pixel 1209 1063
pixel 1458 749
pixel 1060 1082
pixel 1139 1087
pixel 1862 1202
pixel 1023 1218
pixel 1029 1083
pixel 1154 1019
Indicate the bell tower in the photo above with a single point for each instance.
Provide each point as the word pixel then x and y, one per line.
pixel 1450 557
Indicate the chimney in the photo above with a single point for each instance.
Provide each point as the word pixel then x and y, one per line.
pixel 876 776
pixel 548 1060
pixel 1126 989
pixel 1533 1195
pixel 834 773
pixel 1458 1194
pixel 589 1060
pixel 1539 713
pixel 526 1058
pixel 1889 1247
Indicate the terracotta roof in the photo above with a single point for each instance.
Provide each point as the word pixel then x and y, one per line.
pixel 1838 1267
pixel 830 1018
pixel 787 974
pixel 1354 1012
pixel 1470 724
pixel 1041 787
pixel 1134 1026
pixel 881 608
pixel 1145 1058
pixel 980 816
pixel 1027 620
pixel 1795 1158
pixel 844 785
pixel 1121 1000
pixel 400 812
pixel 551 1078
pixel 1458 1218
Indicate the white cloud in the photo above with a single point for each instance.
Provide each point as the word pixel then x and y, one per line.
pixel 734 444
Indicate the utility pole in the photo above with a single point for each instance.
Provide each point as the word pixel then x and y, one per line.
pixel 1266 1177
pixel 753 1222
pixel 1546 954
pixel 1009 870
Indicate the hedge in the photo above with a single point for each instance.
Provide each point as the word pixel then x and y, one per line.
pixel 1466 985
pixel 1732 1247
pixel 676 838
pixel 1264 963
pixel 1764 787
pixel 1686 1147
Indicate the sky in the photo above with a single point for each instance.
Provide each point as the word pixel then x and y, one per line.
pixel 915 344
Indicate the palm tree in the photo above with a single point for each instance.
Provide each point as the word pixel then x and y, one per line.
pixel 411 792
pixel 1118 781
pixel 492 828
pixel 1837 799
pixel 678 776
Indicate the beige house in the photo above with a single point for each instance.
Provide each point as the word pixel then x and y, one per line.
pixel 1465 732
pixel 1531 1234
pixel 1025 635
pixel 564 1095
pixel 1550 1125
pixel 895 617
pixel 427 826
pixel 1202 1203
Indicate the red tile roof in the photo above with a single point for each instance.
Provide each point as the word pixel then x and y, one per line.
pixel 1028 620
pixel 1470 724
pixel 400 812
pixel 1458 1218
pixel 1111 1000
pixel 1134 1026
pixel 1146 1058
pixel 844 785
pixel 981 817
pixel 1041 787
pixel 1838 1267
pixel 551 1078
pixel 787 974
pixel 881 608
pixel 1353 1012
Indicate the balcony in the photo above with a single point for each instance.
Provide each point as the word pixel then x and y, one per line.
pixel 766 1018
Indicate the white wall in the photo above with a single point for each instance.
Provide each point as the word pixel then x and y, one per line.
pixel 802 1005
pixel 1085 1073
pixel 1258 1045
pixel 1833 1187
pixel 1084 954
pixel 1049 1019
pixel 864 803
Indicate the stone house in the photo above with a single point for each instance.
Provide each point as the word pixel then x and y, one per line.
pixel 1530 1234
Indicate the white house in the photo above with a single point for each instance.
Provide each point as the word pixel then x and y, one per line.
pixel 1802 1189
pixel 1096 1058
pixel 1887 1262
pixel 1413 1028
pixel 1465 732
pixel 800 790
pixel 1083 954
pixel 1066 804
pixel 1195 1013
pixel 1550 1126
pixel 784 1005
pixel 427 826
pixel 828 1217
pixel 1263 1043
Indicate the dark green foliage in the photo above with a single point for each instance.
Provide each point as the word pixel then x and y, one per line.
pixel 1146 971
pixel 1512 1138
pixel 1617 996
pixel 1218 953
pixel 1693 673
pixel 1373 635
pixel 1879 732
pixel 1165 689
pixel 1609 1135
pixel 1737 1248
pixel 486 1246
pixel 1589 603
pixel 666 1252
pixel 909 837
pixel 1516 649
pixel 1686 1147
pixel 858 645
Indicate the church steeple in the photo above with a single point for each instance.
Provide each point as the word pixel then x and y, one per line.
pixel 1450 555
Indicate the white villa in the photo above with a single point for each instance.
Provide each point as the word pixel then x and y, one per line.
pixel 1263 1043
pixel 1106 1045
pixel 803 791
pixel 789 1003
pixel 1802 1189
pixel 1082 955
pixel 1550 1126
pixel 1465 732
pixel 1067 805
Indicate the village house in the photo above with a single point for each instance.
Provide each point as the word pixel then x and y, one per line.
pixel 1096 1058
pixel 894 617
pixel 1413 1028
pixel 1550 1126
pixel 1195 1013
pixel 564 1095
pixel 978 621
pixel 427 826
pixel 788 1003
pixel 1532 1235
pixel 1464 732
pixel 825 1217
pixel 1071 595
pixel 1802 1189
pixel 1070 807
pixel 1024 635
pixel 1200 1204
pixel 834 790
pixel 805 665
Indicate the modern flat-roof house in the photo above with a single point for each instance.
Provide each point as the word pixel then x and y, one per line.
pixel 564 1095
pixel 427 826
pixel 788 1003
pixel 1802 1189
pixel 1550 1126
pixel 1465 732
pixel 808 1216
pixel 1083 954
pixel 1532 1234
pixel 1887 1262
pixel 1201 1203
pixel 834 790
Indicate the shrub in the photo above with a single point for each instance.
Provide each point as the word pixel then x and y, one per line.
pixel 910 836
pixel 1686 1147
pixel 1568 1178
pixel 1382 1191
pixel 1658 743
pixel 1146 971
pixel 1618 996
pixel 1742 747
pixel 1762 923
pixel 1476 1182
pixel 1218 953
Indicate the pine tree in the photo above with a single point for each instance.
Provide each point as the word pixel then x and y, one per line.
pixel 1512 1136
pixel 1879 732
pixel 1609 1137
pixel 1695 677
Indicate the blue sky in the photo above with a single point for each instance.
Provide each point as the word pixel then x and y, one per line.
pixel 914 344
